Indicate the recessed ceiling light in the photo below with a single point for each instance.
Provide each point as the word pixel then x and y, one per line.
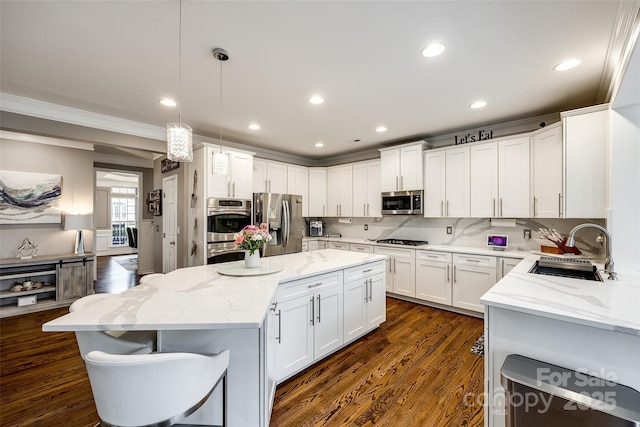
pixel 168 102
pixel 478 104
pixel 567 65
pixel 432 50
pixel 319 145
pixel 316 99
pixel 381 129
pixel 254 126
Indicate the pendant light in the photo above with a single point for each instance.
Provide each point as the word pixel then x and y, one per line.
pixel 220 159
pixel 179 135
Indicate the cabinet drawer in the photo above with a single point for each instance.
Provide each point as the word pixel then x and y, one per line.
pixel 367 270
pixel 475 260
pixel 304 286
pixel 433 256
pixel 395 252
pixel 338 245
pixel 361 248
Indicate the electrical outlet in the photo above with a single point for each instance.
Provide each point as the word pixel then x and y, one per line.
pixel 527 233
pixel 449 230
pixel 366 227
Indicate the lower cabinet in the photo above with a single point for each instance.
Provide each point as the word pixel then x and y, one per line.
pixel 473 275
pixel 433 276
pixel 338 245
pixel 505 265
pixel 364 300
pixel 75 279
pixel 401 273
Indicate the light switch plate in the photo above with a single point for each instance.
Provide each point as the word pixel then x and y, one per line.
pixel 449 230
pixel 28 300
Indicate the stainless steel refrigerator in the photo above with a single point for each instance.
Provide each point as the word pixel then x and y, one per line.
pixel 283 215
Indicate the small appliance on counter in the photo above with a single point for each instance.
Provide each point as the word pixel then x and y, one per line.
pixel 315 228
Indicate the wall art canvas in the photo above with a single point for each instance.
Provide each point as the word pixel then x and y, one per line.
pixel 27 197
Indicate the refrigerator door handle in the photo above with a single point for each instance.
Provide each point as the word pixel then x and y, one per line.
pixel 285 222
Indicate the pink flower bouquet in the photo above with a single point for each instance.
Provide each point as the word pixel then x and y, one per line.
pixel 251 238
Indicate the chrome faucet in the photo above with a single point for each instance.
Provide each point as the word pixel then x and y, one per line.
pixel 608 261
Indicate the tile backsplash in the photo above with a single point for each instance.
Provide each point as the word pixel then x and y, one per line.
pixel 470 232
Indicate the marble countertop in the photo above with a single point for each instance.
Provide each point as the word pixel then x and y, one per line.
pixel 612 305
pixel 440 248
pixel 200 298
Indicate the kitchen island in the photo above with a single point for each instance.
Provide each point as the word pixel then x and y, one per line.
pixel 586 326
pixel 199 310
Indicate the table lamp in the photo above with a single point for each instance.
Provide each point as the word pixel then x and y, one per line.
pixel 78 222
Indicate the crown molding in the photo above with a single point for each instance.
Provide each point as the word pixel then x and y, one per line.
pixel 47 140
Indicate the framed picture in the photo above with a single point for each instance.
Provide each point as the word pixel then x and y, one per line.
pixel 168 165
pixel 154 202
pixel 29 197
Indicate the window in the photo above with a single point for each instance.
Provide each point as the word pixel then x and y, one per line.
pixel 123 214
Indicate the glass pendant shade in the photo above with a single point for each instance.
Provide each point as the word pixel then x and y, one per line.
pixel 179 142
pixel 221 164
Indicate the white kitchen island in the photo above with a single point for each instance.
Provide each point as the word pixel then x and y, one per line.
pixel 585 326
pixel 197 309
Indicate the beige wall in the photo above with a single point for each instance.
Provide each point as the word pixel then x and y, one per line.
pixel 76 168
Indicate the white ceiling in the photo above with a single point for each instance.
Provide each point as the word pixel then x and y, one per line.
pixel 120 57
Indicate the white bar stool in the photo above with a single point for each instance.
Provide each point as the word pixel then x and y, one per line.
pixel 159 389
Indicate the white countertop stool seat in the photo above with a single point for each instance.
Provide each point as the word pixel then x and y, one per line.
pixel 147 277
pixel 115 342
pixel 158 389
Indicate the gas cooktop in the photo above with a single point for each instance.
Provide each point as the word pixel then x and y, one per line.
pixel 403 242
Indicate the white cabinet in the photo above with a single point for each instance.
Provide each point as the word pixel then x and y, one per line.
pixel 366 189
pixel 339 190
pixel 505 265
pixel 311 321
pixel 433 276
pixel 401 167
pixel 473 275
pixel 270 362
pixel 357 247
pixel 298 183
pixel 446 183
pixel 586 136
pixel 343 246
pixel 513 178
pixel 483 186
pixel 238 183
pixel 401 270
pixel 364 299
pixel 269 177
pixel 546 172
pixel 317 192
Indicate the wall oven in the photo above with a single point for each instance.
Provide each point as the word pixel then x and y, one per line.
pixel 402 202
pixel 225 218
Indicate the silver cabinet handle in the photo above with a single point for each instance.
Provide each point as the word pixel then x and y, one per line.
pixel 279 337
pixel 234 189
pixel 366 290
pixel 397 182
pixel 447 209
pixel 401 182
pixel 367 209
pixel 318 297
pixel 322 210
pixel 367 270
pixel 313 310
pixel 229 188
pixel 448 276
pixel 442 208
pixel 364 209
pixel 501 213
pixel 560 205
pixel 535 202
pixel 370 289
pixel 454 274
pixel 275 305
pixel 494 208
pixel 394 266
pixel 315 285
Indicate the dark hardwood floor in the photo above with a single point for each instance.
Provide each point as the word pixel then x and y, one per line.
pixel 414 370
pixel 112 277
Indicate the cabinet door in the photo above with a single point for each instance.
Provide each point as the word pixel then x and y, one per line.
pixel 72 280
pixel 483 180
pixel 328 324
pixel 434 184
pixel 411 167
pixel 513 178
pixel 217 186
pixel 260 177
pixel 377 304
pixel 271 341
pixel 333 192
pixel 298 183
pixel 317 192
pixel 433 281
pixel 295 339
pixel 507 264
pixel 355 310
pixel 360 190
pixel 390 170
pixel 469 284
pixel 457 182
pixel 242 175
pixel 373 199
pixel 546 173
pixel 277 177
pixel 405 276
pixel 339 191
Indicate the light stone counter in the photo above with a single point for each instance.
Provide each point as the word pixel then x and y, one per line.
pixel 200 298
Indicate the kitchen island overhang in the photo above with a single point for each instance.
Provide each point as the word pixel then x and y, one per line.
pixel 199 310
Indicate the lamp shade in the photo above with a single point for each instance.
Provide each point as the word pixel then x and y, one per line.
pixel 179 142
pixel 78 222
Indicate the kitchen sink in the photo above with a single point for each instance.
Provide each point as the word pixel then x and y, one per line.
pixel 570 268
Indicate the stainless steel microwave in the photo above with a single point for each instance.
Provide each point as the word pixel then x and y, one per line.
pixel 402 202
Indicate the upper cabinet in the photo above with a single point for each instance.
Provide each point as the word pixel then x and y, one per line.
pixel 317 192
pixel 401 168
pixel 339 190
pixel 298 183
pixel 446 183
pixel 546 172
pixel 513 178
pixel 483 187
pixel 366 189
pixel 269 177
pixel 238 183
pixel 586 135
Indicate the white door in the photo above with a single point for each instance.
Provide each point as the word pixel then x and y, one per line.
pixel 169 223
